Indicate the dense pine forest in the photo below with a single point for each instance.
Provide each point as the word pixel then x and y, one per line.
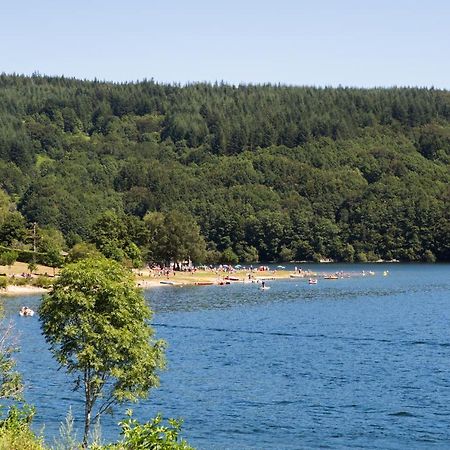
pixel 153 172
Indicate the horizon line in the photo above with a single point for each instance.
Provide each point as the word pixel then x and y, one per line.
pixel 37 74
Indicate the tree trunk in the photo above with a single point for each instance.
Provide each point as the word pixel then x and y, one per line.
pixel 87 425
pixel 87 408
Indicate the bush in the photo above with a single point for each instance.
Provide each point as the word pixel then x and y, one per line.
pixel 152 435
pixel 15 432
pixel 361 257
pixel 8 258
pixel 229 257
pixel 42 281
pixel 26 256
pixel 429 256
pixel 3 282
pixel 19 281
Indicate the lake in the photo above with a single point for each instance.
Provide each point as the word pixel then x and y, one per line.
pixel 362 362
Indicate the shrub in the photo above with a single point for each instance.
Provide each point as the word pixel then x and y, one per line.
pixel 15 432
pixel 3 282
pixel 8 258
pixel 19 281
pixel 429 257
pixel 42 281
pixel 152 435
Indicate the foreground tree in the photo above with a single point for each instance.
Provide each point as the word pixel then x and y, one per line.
pixel 10 380
pixel 96 322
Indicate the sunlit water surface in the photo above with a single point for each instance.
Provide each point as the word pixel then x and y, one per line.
pixel 362 362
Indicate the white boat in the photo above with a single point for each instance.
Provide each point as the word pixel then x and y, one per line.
pixel 26 312
pixel 312 281
pixel 265 288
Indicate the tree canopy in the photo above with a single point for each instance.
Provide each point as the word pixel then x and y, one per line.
pixel 96 323
pixel 262 171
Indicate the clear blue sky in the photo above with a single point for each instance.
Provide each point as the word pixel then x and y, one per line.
pixel 318 42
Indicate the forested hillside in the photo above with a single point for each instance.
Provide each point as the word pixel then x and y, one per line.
pixel 153 172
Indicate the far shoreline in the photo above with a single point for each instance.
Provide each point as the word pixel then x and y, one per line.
pixel 148 279
pixel 17 291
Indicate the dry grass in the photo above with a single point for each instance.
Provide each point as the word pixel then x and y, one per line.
pixel 18 268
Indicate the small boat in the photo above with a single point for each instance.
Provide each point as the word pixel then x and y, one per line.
pixel 331 277
pixel 232 278
pixel 265 288
pixel 296 275
pixel 26 312
pixel 171 283
pixel 312 281
pixel 204 283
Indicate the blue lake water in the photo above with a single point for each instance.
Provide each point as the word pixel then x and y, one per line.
pixel 350 363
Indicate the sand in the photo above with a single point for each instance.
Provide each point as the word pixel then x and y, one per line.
pixel 12 290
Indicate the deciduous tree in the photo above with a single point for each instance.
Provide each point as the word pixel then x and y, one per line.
pixel 96 322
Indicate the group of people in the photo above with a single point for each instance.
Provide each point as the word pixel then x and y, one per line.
pixel 26 311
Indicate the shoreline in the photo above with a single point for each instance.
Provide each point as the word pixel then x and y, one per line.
pixel 13 291
pixel 148 279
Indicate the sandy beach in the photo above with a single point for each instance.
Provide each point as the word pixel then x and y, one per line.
pixel 148 279
pixel 12 290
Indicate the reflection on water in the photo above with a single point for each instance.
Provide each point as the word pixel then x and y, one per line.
pixel 361 362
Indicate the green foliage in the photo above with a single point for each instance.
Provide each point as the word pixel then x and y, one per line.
pixel 8 258
pixel 15 432
pixel 10 380
pixel 6 205
pixel 19 281
pixel 3 282
pixel 42 281
pixel 429 257
pixel 12 229
pixel 229 257
pixel 32 266
pixel 53 258
pixel 154 434
pixel 50 240
pixel 95 321
pixel 112 236
pixel 26 256
pixel 83 250
pixel 247 253
pixel 174 236
pixel 267 171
